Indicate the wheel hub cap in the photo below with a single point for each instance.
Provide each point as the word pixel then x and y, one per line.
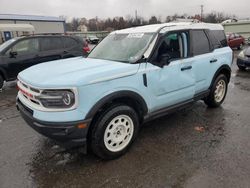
pixel 220 91
pixel 118 133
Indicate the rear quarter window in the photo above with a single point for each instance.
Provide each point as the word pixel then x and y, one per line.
pixel 218 38
pixel 200 42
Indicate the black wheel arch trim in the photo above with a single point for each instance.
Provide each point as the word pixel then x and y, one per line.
pixel 223 67
pixel 117 95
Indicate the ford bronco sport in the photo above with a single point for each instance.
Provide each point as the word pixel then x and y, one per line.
pixel 132 76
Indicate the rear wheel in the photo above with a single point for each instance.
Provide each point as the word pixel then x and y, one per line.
pixel 114 132
pixel 1 82
pixel 218 92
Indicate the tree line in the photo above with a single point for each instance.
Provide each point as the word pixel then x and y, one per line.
pixel 109 24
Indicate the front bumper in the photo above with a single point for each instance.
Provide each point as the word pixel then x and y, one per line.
pixel 66 134
pixel 243 62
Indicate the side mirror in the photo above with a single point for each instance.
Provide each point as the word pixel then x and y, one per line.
pixel 138 59
pixel 164 59
pixel 12 54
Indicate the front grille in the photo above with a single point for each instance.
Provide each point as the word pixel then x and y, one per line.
pixel 29 94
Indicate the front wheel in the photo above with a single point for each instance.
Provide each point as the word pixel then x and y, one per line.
pixel 114 132
pixel 218 92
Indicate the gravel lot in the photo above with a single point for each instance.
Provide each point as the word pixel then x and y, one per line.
pixel 195 147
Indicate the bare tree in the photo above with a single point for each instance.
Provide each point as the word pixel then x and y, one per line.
pixel 96 24
pixel 75 24
pixel 153 20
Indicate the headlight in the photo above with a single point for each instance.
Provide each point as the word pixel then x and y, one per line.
pixel 241 54
pixel 57 98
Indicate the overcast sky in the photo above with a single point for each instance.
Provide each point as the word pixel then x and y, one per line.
pixel 111 8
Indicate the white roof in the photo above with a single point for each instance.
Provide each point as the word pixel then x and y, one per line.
pixel 17 27
pixel 169 27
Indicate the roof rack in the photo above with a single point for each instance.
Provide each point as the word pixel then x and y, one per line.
pixel 43 34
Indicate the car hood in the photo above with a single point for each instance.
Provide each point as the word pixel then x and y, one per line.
pixel 75 72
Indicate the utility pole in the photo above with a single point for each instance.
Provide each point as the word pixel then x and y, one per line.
pixel 202 6
pixel 136 17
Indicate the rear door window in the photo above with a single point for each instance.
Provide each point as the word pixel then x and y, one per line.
pixel 200 42
pixel 51 43
pixel 69 42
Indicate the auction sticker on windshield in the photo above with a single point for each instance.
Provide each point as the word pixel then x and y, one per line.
pixel 135 35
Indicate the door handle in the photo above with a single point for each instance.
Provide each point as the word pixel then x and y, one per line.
pixel 213 60
pixel 186 68
pixel 65 52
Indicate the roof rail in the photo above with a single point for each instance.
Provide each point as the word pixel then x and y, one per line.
pixel 43 34
pixel 174 24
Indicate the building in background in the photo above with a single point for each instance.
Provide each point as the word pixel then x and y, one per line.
pixel 8 31
pixel 82 28
pixel 241 27
pixel 41 24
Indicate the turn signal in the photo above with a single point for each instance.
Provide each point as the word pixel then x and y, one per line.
pixel 82 126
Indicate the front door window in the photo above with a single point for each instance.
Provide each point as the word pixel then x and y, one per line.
pixel 27 46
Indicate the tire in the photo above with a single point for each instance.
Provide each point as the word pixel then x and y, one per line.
pixel 114 132
pixel 1 82
pixel 218 92
pixel 241 68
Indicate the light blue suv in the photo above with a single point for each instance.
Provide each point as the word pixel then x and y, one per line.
pixel 132 76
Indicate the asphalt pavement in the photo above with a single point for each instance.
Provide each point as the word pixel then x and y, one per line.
pixel 195 147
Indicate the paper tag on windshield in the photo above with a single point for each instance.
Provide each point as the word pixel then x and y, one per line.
pixel 135 35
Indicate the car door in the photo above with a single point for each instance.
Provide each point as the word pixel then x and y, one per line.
pixel 51 48
pixel 21 55
pixel 170 75
pixel 204 61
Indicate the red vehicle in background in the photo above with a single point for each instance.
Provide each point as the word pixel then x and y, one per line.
pixel 235 40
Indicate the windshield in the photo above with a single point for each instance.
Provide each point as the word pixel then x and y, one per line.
pixel 122 47
pixel 7 43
